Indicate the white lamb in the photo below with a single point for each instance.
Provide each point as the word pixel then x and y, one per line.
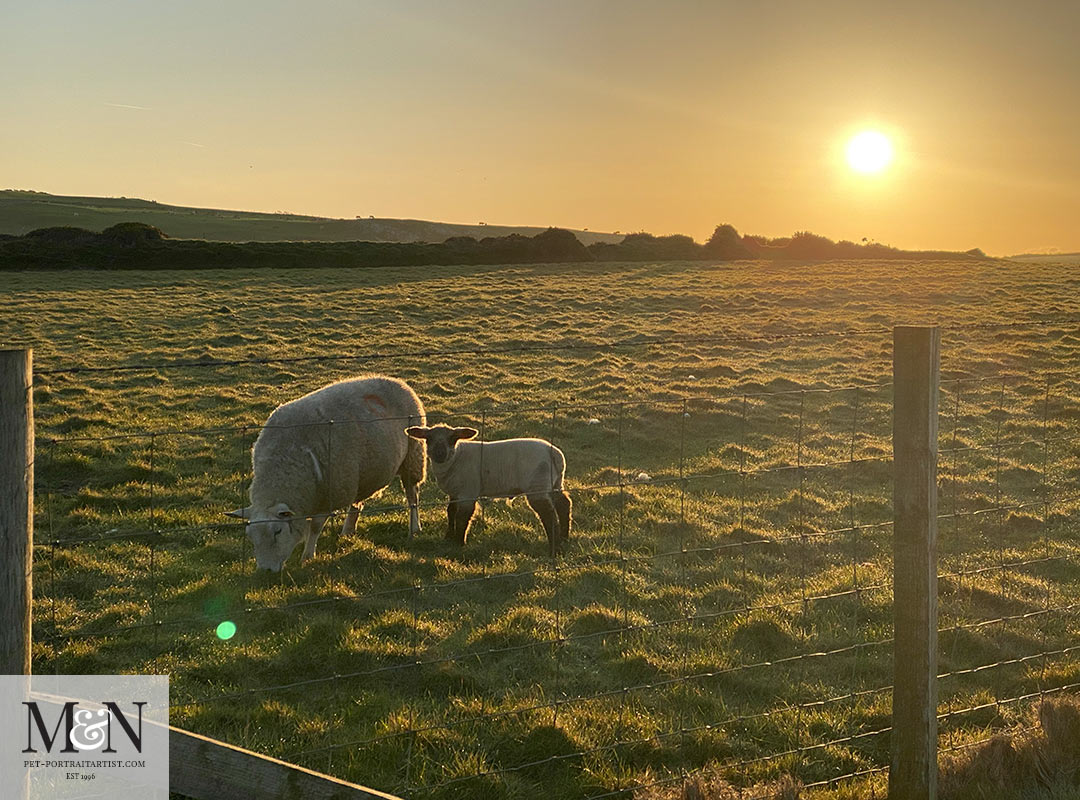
pixel 328 450
pixel 468 470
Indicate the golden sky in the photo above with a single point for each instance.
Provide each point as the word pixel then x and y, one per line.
pixel 669 117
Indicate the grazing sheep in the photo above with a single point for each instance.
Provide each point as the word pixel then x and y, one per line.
pixel 468 470
pixel 328 450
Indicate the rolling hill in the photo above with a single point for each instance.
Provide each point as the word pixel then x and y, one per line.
pixel 1047 258
pixel 23 211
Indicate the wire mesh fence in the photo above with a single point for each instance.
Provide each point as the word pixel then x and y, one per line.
pixel 723 606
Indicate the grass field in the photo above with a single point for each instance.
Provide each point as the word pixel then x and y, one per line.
pixel 760 533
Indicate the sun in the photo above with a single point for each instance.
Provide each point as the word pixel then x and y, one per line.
pixel 869 152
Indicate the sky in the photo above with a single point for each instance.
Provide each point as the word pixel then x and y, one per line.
pixel 612 115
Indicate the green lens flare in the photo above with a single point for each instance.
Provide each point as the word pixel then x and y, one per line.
pixel 226 630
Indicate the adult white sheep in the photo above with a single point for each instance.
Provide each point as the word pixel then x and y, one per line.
pixel 328 450
pixel 468 470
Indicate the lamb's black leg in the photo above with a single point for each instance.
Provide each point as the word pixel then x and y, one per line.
pixel 545 509
pixel 451 508
pixel 459 514
pixel 466 509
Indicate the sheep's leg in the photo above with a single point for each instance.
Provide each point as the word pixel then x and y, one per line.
pixel 562 509
pixel 412 495
pixel 545 509
pixel 412 474
pixel 350 519
pixel 459 514
pixel 314 529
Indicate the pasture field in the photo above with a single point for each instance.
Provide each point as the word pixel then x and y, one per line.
pixel 724 603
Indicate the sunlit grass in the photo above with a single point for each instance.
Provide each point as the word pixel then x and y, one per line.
pixel 760 534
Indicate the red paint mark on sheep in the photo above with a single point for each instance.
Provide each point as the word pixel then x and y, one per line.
pixel 375 403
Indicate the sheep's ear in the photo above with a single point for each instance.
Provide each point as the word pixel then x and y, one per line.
pixel 240 513
pixel 417 432
pixel 466 433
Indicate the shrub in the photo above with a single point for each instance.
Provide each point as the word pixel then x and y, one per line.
pixel 130 234
pixel 725 244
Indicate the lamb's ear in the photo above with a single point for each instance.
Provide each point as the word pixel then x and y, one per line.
pixel 417 432
pixel 240 513
pixel 466 433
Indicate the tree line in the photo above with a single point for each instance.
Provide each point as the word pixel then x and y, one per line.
pixel 135 245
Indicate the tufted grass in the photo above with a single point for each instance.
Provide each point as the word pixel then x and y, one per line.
pixel 644 651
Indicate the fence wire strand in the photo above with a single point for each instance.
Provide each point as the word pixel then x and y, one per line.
pixel 731 520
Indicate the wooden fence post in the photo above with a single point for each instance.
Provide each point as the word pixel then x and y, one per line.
pixel 916 364
pixel 16 509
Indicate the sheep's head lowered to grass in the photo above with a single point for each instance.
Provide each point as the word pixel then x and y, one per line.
pixel 274 532
pixel 441 439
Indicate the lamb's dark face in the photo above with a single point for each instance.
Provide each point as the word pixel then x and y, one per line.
pixel 440 445
pixel 441 440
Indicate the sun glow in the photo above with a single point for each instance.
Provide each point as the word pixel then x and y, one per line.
pixel 869 152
